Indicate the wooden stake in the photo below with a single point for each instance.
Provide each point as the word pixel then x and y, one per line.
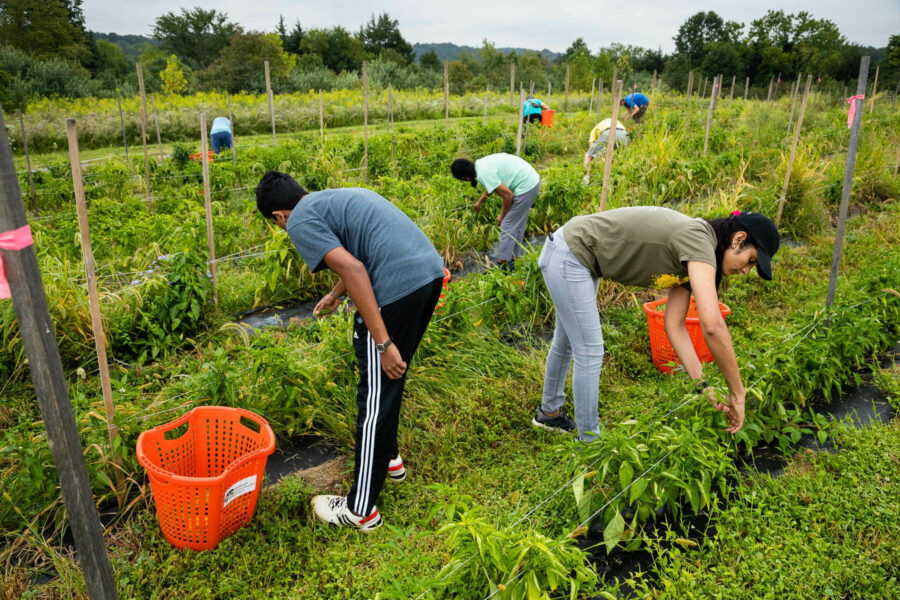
pixel 689 94
pixel 271 100
pixel 617 93
pixel 549 92
pixel 874 90
pixel 816 93
pixel 746 87
pixel 775 92
pixel 599 91
pixel 897 164
pixel 653 84
pixel 233 131
pixel 793 104
pixel 566 105
pixel 703 93
pixel 512 83
pixel 140 78
pixel 521 118
pixel 93 296
pixel 156 121
pixel 731 95
pixel 446 94
pixel 848 183
pixel 591 104
pixel 207 203
pixel 34 204
pixel 39 341
pixel 365 74
pixel 122 123
pixel 771 83
pixel 487 91
pixel 709 114
pixel 614 79
pixel 321 118
pixel 391 122
pixel 790 166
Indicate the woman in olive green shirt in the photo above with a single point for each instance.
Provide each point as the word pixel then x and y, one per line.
pixel 651 247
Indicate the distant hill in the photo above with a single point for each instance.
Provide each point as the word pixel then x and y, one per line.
pixel 131 45
pixel 452 51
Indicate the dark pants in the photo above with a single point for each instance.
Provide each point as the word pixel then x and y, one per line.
pixel 220 141
pixel 533 117
pixel 378 397
pixel 640 113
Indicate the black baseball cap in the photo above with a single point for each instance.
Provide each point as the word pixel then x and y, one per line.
pixel 764 235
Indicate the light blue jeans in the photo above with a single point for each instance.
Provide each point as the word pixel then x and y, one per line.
pixel 578 333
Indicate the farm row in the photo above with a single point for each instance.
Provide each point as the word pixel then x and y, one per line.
pixel 467 432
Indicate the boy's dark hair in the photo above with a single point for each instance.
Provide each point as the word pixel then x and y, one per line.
pixel 463 167
pixel 277 191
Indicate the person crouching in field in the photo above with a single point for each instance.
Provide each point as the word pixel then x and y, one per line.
pixel 533 110
pixel 394 277
pixel 220 135
pixel 517 183
pixel 637 103
pixel 651 247
pixel 598 140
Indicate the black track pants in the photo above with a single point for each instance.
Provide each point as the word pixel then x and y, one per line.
pixel 378 397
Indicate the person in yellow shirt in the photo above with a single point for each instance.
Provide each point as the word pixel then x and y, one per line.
pixel 598 140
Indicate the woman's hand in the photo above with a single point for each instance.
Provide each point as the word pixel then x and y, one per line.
pixel 500 218
pixel 478 205
pixel 327 305
pixel 392 363
pixel 735 412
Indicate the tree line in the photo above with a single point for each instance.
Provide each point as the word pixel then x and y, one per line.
pixel 47 51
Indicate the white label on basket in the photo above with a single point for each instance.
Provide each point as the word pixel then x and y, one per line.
pixel 244 486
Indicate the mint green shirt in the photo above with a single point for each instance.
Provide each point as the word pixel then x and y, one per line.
pixel 512 171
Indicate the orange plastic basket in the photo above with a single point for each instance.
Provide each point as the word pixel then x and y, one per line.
pixel 209 154
pixel 548 117
pixel 661 350
pixel 205 481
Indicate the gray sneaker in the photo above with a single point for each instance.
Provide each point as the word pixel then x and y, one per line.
pixel 561 422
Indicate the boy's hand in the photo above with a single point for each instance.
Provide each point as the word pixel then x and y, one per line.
pixel 392 363
pixel 327 305
pixel 477 206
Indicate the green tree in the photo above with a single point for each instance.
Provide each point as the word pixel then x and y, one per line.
pixel 722 58
pixel 196 35
pixel 173 80
pixel 240 64
pixel 384 33
pixel 44 28
pixel 291 41
pixel 430 61
pixel 339 50
pixel 112 59
pixel 890 64
pixel 702 29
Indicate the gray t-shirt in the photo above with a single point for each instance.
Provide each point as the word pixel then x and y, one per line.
pixel 397 255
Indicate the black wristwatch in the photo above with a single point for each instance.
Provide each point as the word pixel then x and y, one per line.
pixel 383 347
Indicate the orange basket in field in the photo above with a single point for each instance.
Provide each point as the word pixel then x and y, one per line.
pixel 206 477
pixel 548 117
pixel 209 154
pixel 661 350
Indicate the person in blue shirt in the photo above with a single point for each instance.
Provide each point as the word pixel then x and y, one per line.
pixel 531 110
pixel 394 277
pixel 220 134
pixel 637 103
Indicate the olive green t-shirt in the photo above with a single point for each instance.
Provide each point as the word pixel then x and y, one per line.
pixel 646 246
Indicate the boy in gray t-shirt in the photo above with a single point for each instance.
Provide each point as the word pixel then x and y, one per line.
pixel 394 277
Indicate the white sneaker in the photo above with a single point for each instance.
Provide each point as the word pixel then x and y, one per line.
pixel 396 470
pixel 333 510
pixel 586 180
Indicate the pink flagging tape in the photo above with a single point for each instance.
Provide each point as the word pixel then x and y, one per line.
pixel 17 239
pixel 852 110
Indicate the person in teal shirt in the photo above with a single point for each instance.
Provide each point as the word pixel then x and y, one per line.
pixel 532 109
pixel 514 180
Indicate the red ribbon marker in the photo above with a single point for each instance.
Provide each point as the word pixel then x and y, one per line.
pixel 17 239
pixel 852 110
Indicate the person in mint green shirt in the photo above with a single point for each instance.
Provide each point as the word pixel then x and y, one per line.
pixel 517 183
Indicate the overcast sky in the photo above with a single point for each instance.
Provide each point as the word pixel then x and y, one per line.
pixel 525 24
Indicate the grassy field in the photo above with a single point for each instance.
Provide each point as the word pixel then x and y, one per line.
pixel 491 502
